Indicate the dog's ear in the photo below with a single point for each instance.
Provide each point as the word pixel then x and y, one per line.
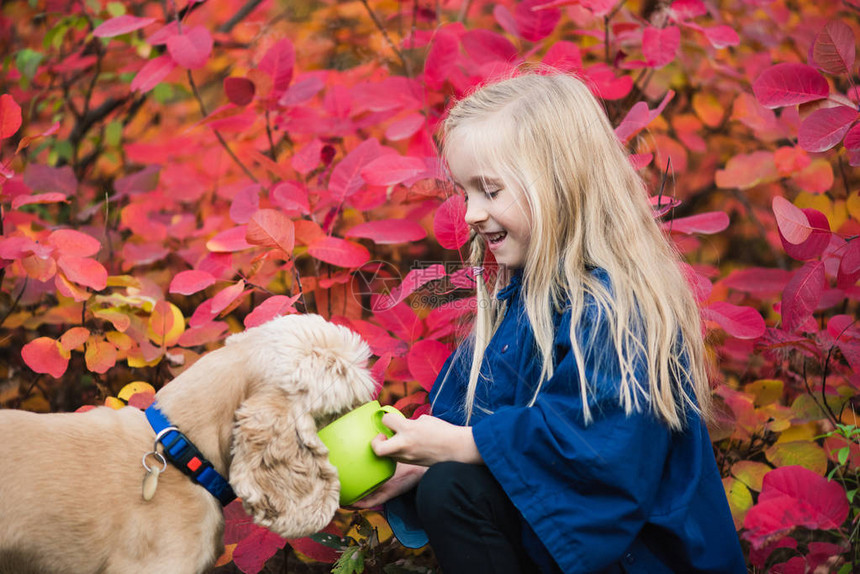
pixel 280 467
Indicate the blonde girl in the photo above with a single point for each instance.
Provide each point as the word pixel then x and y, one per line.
pixel 567 433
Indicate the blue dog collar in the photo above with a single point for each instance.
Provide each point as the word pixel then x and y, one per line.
pixel 182 453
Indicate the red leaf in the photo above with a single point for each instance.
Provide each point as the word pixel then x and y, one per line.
pixel 22 200
pixel 402 321
pixel 404 128
pixel 814 245
pixel 346 176
pixel 801 295
pixel 722 36
pixel 239 91
pixel 229 240
pixel 190 282
pixel 278 63
pixel 308 157
pixel 852 138
pixel 338 252
pixel 227 296
pixel 833 49
pixel 274 306
pixel 121 25
pixel 291 196
pixel 391 169
pixel 758 281
pixel 271 228
pixel 151 74
pixel 533 24
pixel 43 356
pixel 706 223
pixel 603 83
pixel 740 322
pixel 83 271
pixel 425 360
pixel 793 496
pixel 245 203
pixel 485 46
pixel 788 84
pixel 388 231
pixel 10 116
pixel 450 225
pixel 71 242
pixel 414 280
pixel 659 46
pixel 441 58
pixel 252 552
pixel 191 48
pixel 564 55
pixel 824 128
pixel 792 222
pixel 315 550
pixel 849 265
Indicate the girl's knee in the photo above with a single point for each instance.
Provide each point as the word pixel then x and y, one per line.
pixel 454 487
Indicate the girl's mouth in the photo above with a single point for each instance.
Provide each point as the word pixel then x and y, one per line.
pixel 496 238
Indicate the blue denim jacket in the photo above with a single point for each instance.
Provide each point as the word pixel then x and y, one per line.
pixel 623 493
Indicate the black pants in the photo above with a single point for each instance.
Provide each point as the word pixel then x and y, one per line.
pixel 472 525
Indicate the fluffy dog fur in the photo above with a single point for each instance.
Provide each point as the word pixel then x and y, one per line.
pixel 70 484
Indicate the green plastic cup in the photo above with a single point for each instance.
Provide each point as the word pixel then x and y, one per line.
pixel 348 438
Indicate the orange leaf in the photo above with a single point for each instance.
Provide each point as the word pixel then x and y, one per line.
pixel 74 338
pixel 271 228
pixel 100 356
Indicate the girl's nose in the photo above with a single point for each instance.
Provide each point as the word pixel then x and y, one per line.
pixel 475 213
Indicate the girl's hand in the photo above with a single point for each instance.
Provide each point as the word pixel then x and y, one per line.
pixel 406 477
pixel 425 441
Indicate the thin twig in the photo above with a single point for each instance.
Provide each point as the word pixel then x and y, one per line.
pixel 15 302
pixel 243 13
pixel 378 23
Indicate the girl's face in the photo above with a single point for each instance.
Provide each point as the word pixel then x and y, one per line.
pixel 496 209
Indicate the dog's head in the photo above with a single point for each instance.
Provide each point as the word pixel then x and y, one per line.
pixel 303 370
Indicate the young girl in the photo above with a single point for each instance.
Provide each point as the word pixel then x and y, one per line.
pixel 567 434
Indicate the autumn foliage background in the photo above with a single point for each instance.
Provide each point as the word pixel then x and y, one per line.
pixel 176 171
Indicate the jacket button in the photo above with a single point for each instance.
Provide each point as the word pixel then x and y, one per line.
pixel 505 349
pixel 629 558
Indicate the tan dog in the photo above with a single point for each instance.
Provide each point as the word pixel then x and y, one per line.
pixel 71 484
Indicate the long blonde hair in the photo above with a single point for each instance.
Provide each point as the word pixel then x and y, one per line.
pixel 547 134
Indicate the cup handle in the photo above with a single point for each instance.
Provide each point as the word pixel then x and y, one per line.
pixel 377 418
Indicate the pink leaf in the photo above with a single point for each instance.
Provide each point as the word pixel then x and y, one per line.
pixel 391 169
pixel 425 360
pixel 852 139
pixel 43 356
pixel 74 338
pixel 814 245
pixel 793 496
pixel 659 46
pixel 740 322
pixel 71 242
pixel 346 176
pixel 278 63
pixel 833 49
pixel 83 271
pixel 271 228
pixel 687 9
pixel 152 73
pixel 38 198
pixel 239 91
pixel 192 48
pixel 121 25
pixel 486 46
pixel 307 158
pixel 722 36
pixel 564 55
pixel 229 240
pixel 402 321
pixel 639 117
pixel 39 177
pixel 245 203
pixel 534 24
pixel 227 296
pixel 791 220
pixel 849 265
pixel 706 223
pixel 758 281
pixel 338 252
pixel 824 128
pixel 450 225
pixel 10 116
pixel 801 295
pixel 404 128
pixel 190 282
pixel 388 231
pixel 202 333
pixel 414 280
pixel 274 306
pixel 788 84
pixel 505 19
pixel 302 91
pixel 441 58
pixel 252 552
pixel 291 196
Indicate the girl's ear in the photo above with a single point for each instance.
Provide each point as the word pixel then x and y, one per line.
pixel 280 468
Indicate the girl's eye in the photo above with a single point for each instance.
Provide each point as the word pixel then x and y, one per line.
pixel 492 193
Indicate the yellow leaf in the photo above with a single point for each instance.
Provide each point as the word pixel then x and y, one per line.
pixel 166 324
pixel 804 453
pixel 835 212
pixel 750 473
pixel 120 340
pixel 778 418
pixel 766 391
pixel 123 281
pixel 708 108
pixel 114 403
pixel 740 500
pixel 133 388
pixel 853 205
pixel 800 432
